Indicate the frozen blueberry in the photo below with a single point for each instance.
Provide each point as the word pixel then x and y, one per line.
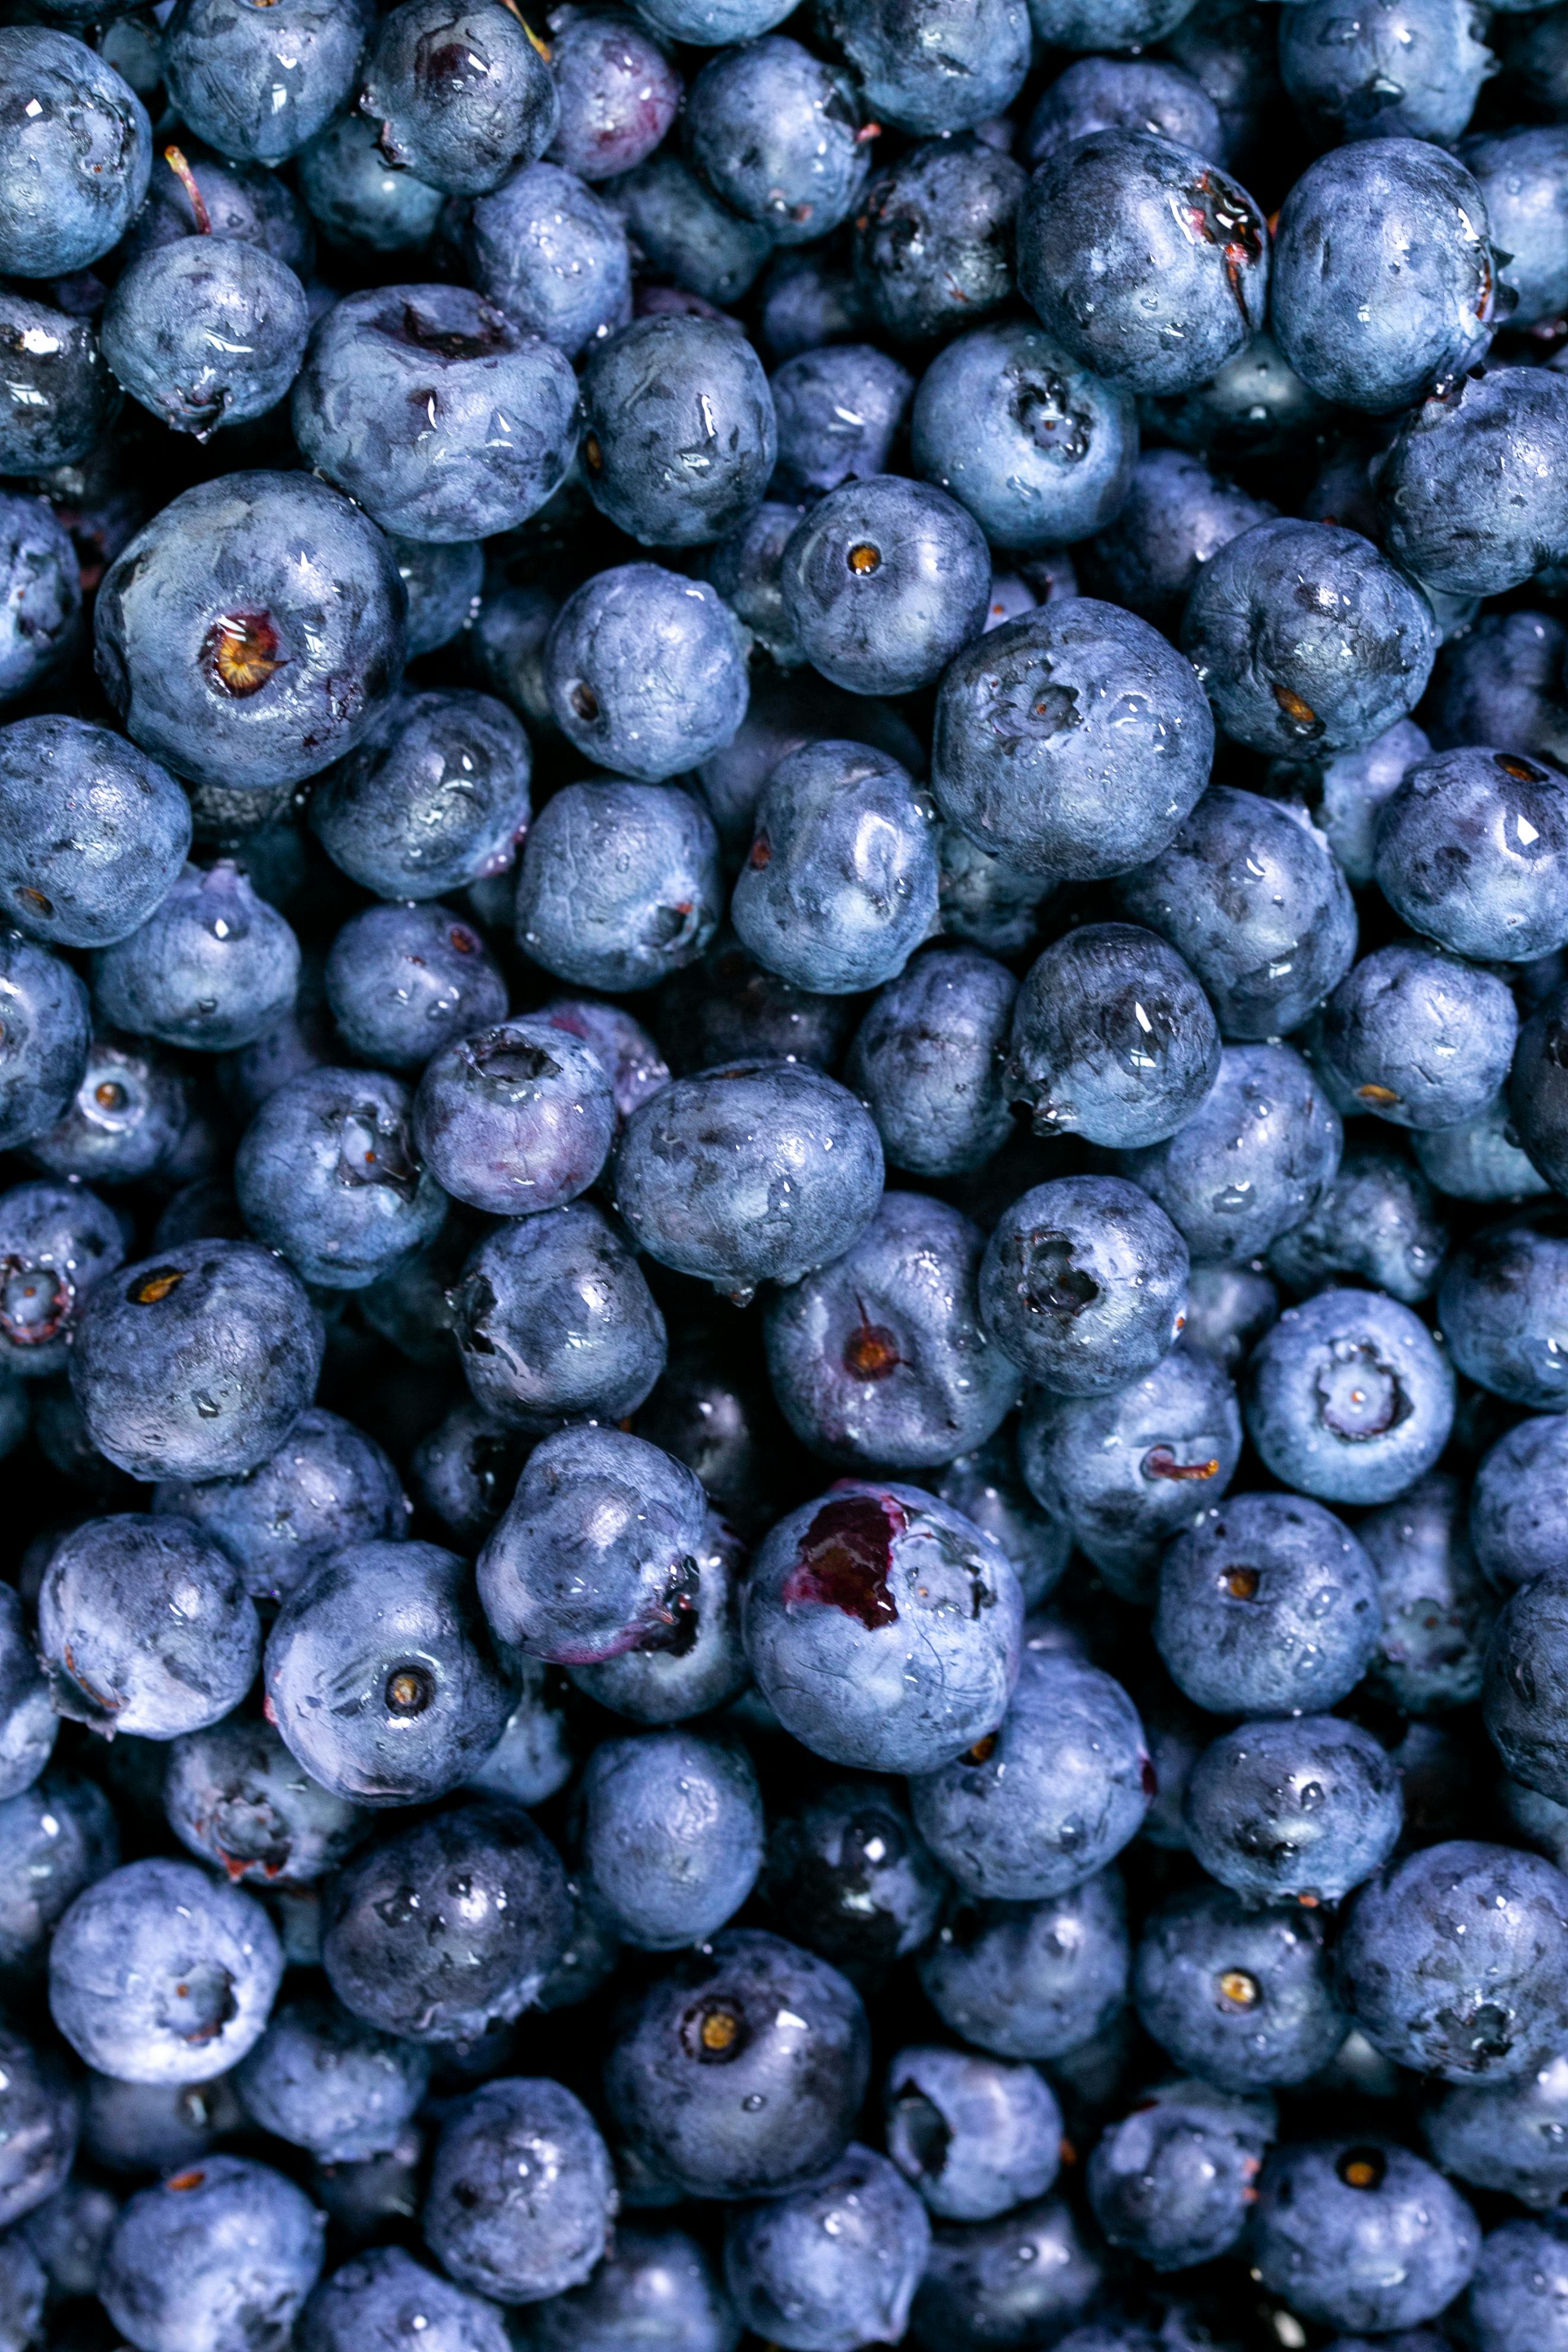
pixel 1473 851
pixel 1471 495
pixel 835 2264
pixel 927 1060
pixel 1518 2287
pixel 546 251
pixel 751 1174
pixel 850 1877
pixel 1515 1523
pixel 1172 2181
pixel 974 2135
pixel 385 2295
pixel 59 400
pixel 160 1974
pixel 883 581
pixel 1240 1994
pixel 249 634
pixel 1364 2235
pixel 360 201
pixel 1376 1220
pixel 198 1363
pixel 681 229
pixel 618 91
pixel 144 1626
pixel 436 796
pixel 775 132
pixel 927 67
pixel 463 97
pixel 40 595
pixel 1084 1283
pixel 93 832
pixel 646 671
pixel 1267 1606
pixel 619 884
pixel 1417 1037
pixel 1405 69
pixel 207 331
pixel 1128 1470
pixel 223 2248
pixel 1523 176
pixel 741 2069
pixel 552 1319
pixel 1029 2274
pixel 236 1800
pixel 841 410
pixel 1349 1397
pixel 327 2083
pixel 78 152
pixel 1301 1810
pixel 1502 1311
pixel 1437 1610
pixel 1073 742
pixel 1173 517
pixel 1113 1038
pixel 328 1485
pixel 515 1119
pixel 1032 1980
pixel 933 238
pixel 672 1835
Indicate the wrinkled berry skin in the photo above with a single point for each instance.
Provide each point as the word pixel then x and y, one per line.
pixel 519 2249
pixel 144 1626
pixel 1516 1527
pixel 1241 1995
pixel 619 884
pixel 236 1800
pixel 1350 2250
pixel 933 238
pixel 927 69
pixel 1487 2006
pixel 76 166
pixel 1267 1606
pixel 712 2079
pixel 196 1363
pixel 1125 238
pixel 680 436
pixel 883 581
pixel 248 635
pixel 40 595
pixel 883 1628
pixel 1417 1037
pixel 462 95
pixel 516 1119
pixel 60 399
pixel 388 815
pixel 618 92
pixel 837 2263
pixel 1501 1305
pixel 1032 1980
pixel 447 1923
pixel 160 1974
pixel 927 1061
pixel 226 65
pixel 93 832
pixel 880 1359
pixel 1306 1808
pixel 1172 2181
pixel 1349 1397
pixel 326 1174
pixel 1084 1283
pixel 973 2135
pixel 1472 497
pixel 646 671
pixel 1396 69
pixel 554 1318
pixel 1072 743
pixel 700 1173
pixel 205 332
pixel 544 248
pixel 1113 1038
pixel 1473 851
pixel 507 399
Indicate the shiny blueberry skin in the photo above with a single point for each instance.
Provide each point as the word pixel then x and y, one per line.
pixel 784 715
pixel 325 2082
pixel 1027 2276
pixel 44 1048
pixel 1255 407
pixel 672 1835
pixel 700 1172
pixel 1347 794
pixel 243 201
pixel 836 2264
pixel 211 967
pixel 1501 1304
pixel 435 798
pixel 145 1626
pixel 1268 1606
pixel 404 981
pixel 1173 515
pixel 1032 1980
pixel 552 1319
pixel 655 2284
pixel 59 399
pixel 446 1923
pixel 933 238
pixel 515 1119
pixel 326 1487
pixel 519 2249
pixel 685 233
pixel 357 200
pixel 620 884
pixel 881 1359
pixel 41 2114
pixel 706 1669
pixel 56 1838
pixel 40 595
pixel 1410 70
pixel 1418 1037
pixel 1172 2182
pixel 1113 1038
pixel 618 91
pixel 378 2296
pixel 1073 742
pixel 380 360
pixel 1128 1471
pixel 741 2069
pixel 1038 448
pixel 205 332
pixel 1084 1283
pixel 1349 1397
pixel 224 64
pixel 646 671
pixel 248 635
pixel 1098 93
pixel 1516 2293
pixel 973 2135
pixel 77 151
pixel 1472 495
pixel 628 1055
pixel 463 96
pixel 1376 1220
pixel 56 1242
pixel 532 1760
pixel 1525 1699
pixel 1241 1996
pixel 1516 1525
pixel 93 832
pixel 197 1363
pixel 883 1628
pixel 927 1061
pixel 236 1800
pixel 1308 1807
pixel 1364 2235
pixel 848 1876
pixel 1523 176
pixel 1473 851
pixel 883 581
pixel 160 1974
pixel 1502 683
pixel 443 585
pixel 773 130
pixel 1504 2135
pixel 1437 1611
pixel 327 1173
pixel 551 255
pixel 840 412
pixel 930 68
pixel 679 433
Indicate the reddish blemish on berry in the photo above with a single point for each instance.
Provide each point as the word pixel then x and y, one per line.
pixel 844 1559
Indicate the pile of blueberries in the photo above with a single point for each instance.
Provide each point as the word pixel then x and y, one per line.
pixel 783 1176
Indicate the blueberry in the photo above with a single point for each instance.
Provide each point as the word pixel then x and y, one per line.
pixel 1172 2181
pixel 1523 1698
pixel 848 1876
pixel 646 671
pixel 757 1173
pixel 228 2246
pixel 835 2264
pixel 382 363
pixel 1502 682
pixel 92 834
pixel 327 1174
pixel 359 201
pixel 881 1358
pixel 974 2135
pixel 784 715
pixel 618 91
pixel 224 72
pixel 128 1119
pixel 1500 1309
pixel 68 2234
pixel 1517 2289
pixel 883 1628
pixel 205 332
pixel 1471 495
pixel 1515 1525
pixel 532 1760
pixel 1084 1284
pixel 236 1800
pixel 447 1923
pixel 807 299
pixel 985 1486
pixel 554 1318
pixel 619 884
pixel 883 581
pixel 1240 1994
pixel 324 2081
pixel 516 1119
pixel 680 227
pixel 203 195
pixel 140 2128
pixel 1301 1810
pixel 1113 1038
pixel 546 251
pixel 1039 450
pixel 1073 742
pixel 1173 516
pixel 672 1835
pixel 160 1974
pixel 1377 1219
pixel 56 1242
pixel 404 981
pixel 984 898
pixel 1349 1397
pixel 1407 69
pixel 840 412
pixel 705 1669
pixel 1128 1470
pixel 385 2294
pixel 1417 1037
pixel 1032 1980
pixel 40 595
pixel 1473 851
pixel 656 2283
pixel 1364 2235
pixel 144 1626
pixel 933 238
pixel 1229 1308
pixel 60 399
pixel 1046 1801
pixel 328 1485
pixel 744 565
pixel 197 1364
pixel 211 967
pixel 1489 2005
pixel 775 132
pixel 1505 2135
pixel 727 1008
pixel 56 1839
pixel 1535 1100
pixel 927 1061
pixel 928 67
pixel 1254 406
pixel 249 634
pixel 462 98
pixel 1029 2274
pixel 1437 1610
pixel 79 153
pixel 739 2070
pixel 435 798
